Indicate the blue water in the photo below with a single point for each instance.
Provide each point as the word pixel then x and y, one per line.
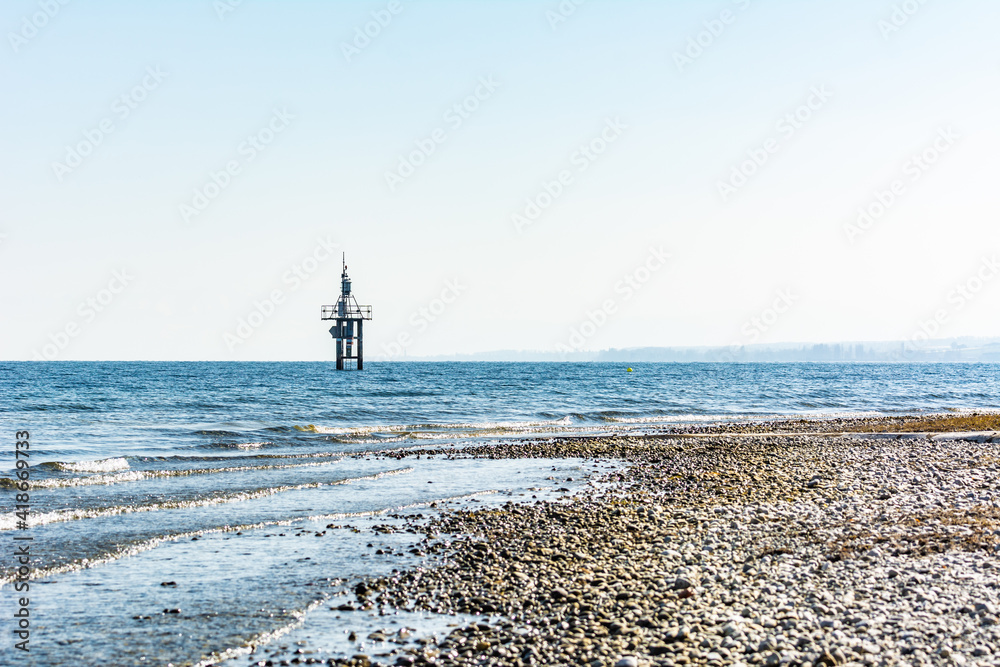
pixel 220 475
pixel 85 411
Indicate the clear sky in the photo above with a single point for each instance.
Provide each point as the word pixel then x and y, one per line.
pixel 500 174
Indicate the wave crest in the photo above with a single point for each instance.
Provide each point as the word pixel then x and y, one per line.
pixel 100 465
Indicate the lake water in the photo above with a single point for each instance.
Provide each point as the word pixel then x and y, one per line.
pixel 216 477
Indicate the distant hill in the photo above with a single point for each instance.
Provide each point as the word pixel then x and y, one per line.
pixel 949 349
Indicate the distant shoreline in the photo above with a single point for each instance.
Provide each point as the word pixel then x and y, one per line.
pixel 918 350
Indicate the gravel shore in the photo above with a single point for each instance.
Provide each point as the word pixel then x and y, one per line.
pixel 722 550
pixel 966 421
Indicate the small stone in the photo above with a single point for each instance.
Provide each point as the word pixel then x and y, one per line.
pixel 627 661
pixel 680 583
pixel 677 635
pixel 870 648
pixel 826 659
pixel 766 645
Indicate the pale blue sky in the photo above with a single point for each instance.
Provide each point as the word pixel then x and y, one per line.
pixel 345 123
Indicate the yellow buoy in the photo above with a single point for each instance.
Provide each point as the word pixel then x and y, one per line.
pixel 628 370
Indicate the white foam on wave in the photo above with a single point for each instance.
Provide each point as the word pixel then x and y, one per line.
pixel 139 475
pixel 95 480
pixel 431 430
pixel 344 430
pixel 101 465
pixel 495 425
pixel 240 445
pixel 9 521
pixel 673 419
pixel 563 425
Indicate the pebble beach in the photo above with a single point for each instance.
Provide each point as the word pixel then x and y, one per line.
pixel 732 547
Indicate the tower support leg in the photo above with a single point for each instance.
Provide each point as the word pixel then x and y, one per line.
pixel 361 348
pixel 340 354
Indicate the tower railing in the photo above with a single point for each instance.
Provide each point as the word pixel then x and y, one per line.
pixel 352 311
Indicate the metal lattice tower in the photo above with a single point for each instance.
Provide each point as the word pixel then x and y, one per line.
pixel 346 313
